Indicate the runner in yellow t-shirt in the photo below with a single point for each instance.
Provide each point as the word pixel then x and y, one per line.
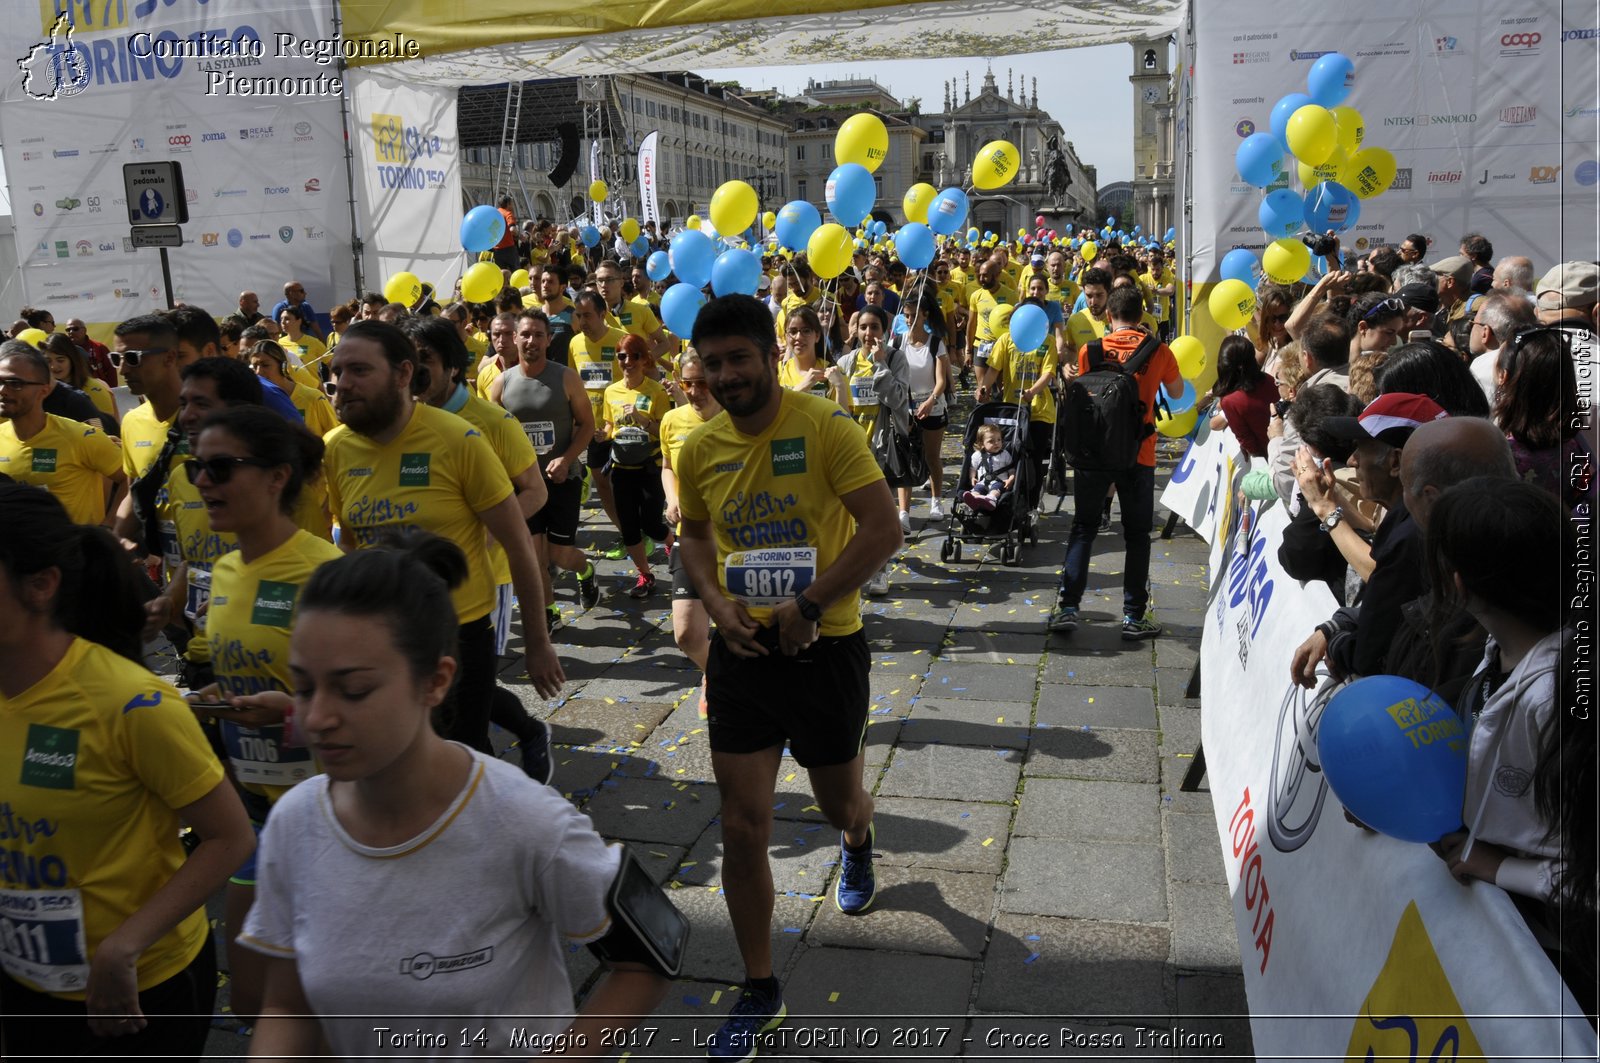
pixel 691 628
pixel 631 314
pixel 593 353
pixel 1090 323
pixel 634 407
pixel 73 461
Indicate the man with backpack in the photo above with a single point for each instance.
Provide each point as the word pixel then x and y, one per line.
pixel 1108 434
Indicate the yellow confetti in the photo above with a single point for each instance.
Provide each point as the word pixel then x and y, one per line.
pixel 640 726
pixel 915 652
pixel 611 701
pixel 716 996
pixel 1091 701
pixel 654 853
pixel 697 730
pixel 999 719
pixel 789 777
pixel 988 842
pixel 1010 661
pixel 833 998
pixel 892 693
pixel 811 808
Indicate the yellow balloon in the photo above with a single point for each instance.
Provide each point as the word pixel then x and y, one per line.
pixel 1090 251
pixel 1351 128
pixel 863 140
pixel 916 201
pixel 1370 172
pixel 402 288
pixel 1231 303
pixel 1312 134
pixel 482 282
pixel 693 222
pixel 1177 426
pixel 1331 170
pixel 33 336
pixel 769 220
pixel 1000 319
pixel 1286 260
pixel 734 207
pixel 629 229
pixel 1190 354
pixel 995 164
pixel 598 191
pixel 829 250
pixel 520 279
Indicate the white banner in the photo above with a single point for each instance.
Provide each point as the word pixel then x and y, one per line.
pixel 112 83
pixel 1354 945
pixel 1491 112
pixel 649 210
pixel 1192 491
pixel 408 161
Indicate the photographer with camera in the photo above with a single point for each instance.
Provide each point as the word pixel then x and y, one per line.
pixel 1331 285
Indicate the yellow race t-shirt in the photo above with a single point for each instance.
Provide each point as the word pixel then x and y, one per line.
pixel 102 398
pixel 676 428
pixel 773 501
pixel 596 363
pixel 488 370
pixel 477 347
pixel 69 459
pixel 980 303
pixel 315 408
pixel 635 317
pixel 183 516
pixel 438 474
pixel 95 760
pixel 512 446
pixel 1084 327
pixel 311 352
pixel 142 439
pixel 247 630
pixel 790 374
pixel 1018 372
pixel 632 444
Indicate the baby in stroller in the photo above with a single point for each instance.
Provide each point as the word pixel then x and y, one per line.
pixel 993 472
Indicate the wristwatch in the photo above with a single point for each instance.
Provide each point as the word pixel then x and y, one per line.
pixel 808 608
pixel 1333 520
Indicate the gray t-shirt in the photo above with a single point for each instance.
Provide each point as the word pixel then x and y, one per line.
pixel 467 922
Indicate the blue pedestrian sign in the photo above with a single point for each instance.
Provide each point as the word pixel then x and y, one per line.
pixel 151 204
pixel 155 194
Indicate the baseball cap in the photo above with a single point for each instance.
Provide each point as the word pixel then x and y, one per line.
pixel 1419 297
pixel 1037 260
pixel 1571 285
pixel 764 284
pixel 1458 266
pixel 1388 418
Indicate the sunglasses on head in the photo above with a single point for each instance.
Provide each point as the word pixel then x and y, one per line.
pixel 1524 335
pixel 1388 308
pixel 131 359
pixel 220 470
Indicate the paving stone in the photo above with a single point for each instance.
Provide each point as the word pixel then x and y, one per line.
pixel 653 810
pixel 1215 1010
pixel 627 685
pixel 1122 664
pixel 952 771
pixel 920 910
pixel 579 772
pixel 1083 880
pixel 673 755
pixel 1203 931
pixel 713 954
pixel 1180 728
pixel 883 991
pixel 1090 811
pixel 984 647
pixel 987 682
pixel 1177 652
pixel 1121 755
pixel 1194 851
pixel 614 723
pixel 1173 797
pixel 920 833
pixel 802 857
pixel 955 721
pixel 1042 966
pixel 1172 686
pixel 1095 706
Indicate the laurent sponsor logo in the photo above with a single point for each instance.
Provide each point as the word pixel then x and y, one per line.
pixel 1520 114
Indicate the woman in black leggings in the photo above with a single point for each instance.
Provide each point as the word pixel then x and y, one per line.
pixel 634 407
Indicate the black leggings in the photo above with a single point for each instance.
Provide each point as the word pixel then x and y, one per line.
pixel 464 715
pixel 641 503
pixel 179 1011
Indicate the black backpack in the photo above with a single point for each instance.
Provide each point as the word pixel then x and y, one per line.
pixel 1102 420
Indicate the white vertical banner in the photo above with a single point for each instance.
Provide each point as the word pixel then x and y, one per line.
pixel 649 209
pixel 407 162
pixel 594 161
pixel 244 95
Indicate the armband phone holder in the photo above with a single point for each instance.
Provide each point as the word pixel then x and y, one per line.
pixel 645 925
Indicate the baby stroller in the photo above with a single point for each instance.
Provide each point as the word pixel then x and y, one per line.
pixel 1013 518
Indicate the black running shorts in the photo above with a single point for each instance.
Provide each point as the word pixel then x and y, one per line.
pixel 815 700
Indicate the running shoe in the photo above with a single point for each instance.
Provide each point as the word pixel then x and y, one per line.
pixel 588 589
pixel 754 1014
pixel 702 711
pixel 537 762
pixel 1105 519
pixel 857 883
pixel 1134 629
pixel 935 511
pixel 878 585
pixel 905 522
pixel 1063 618
pixel 643 587
pixel 617 552
pixel 552 617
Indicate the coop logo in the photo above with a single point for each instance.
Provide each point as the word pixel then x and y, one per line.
pixel 1444 177
pixel 302 131
pixel 1295 56
pixel 256 132
pixel 1251 58
pixel 212 138
pixel 180 140
pixel 1244 127
pixel 1587 173
pixel 1579 35
pixel 1543 175
pixel 85 249
pixel 275 190
pixel 209 239
pixel 68 153
pixel 1513 45
pixel 1520 114
pixel 313 185
pixel 235 237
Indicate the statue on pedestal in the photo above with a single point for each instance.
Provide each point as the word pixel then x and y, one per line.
pixel 1057 175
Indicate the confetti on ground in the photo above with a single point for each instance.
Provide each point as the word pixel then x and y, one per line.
pixel 1031 957
pixel 716 996
pixel 833 998
pixel 1031 937
pixel 988 842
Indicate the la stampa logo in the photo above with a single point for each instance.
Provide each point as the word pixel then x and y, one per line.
pixel 54 69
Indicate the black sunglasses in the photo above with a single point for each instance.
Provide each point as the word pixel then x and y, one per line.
pixel 1388 308
pixel 131 359
pixel 220 470
pixel 1522 336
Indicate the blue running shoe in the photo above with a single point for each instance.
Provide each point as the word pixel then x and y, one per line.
pixel 857 883
pixel 754 1014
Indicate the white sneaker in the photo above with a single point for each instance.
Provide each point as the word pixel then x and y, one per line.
pixel 905 522
pixel 878 585
pixel 935 511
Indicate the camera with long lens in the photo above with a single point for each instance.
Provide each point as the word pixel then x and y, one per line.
pixel 1321 244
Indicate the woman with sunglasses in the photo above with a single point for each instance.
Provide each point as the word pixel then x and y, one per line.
pixel 805 363
pixel 1536 393
pixel 1269 330
pixel 633 409
pixel 249 468
pixel 308 351
pixel 1375 323
pixel 69 365
pixel 269 362
pixel 101 763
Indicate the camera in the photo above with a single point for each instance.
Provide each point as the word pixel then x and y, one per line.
pixel 1321 244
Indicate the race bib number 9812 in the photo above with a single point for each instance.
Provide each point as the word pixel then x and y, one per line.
pixel 768 578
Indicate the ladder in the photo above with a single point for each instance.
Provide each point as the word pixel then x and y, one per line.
pixel 508 141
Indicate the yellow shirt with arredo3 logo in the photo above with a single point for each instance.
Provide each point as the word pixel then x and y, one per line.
pixel 70 460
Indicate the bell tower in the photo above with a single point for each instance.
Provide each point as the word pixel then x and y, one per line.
pixel 1152 89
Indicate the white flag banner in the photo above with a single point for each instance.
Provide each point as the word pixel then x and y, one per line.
pixel 1191 493
pixel 649 210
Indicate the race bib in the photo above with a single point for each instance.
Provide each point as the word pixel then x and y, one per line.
pixel 199 591
pixel 770 577
pixel 542 434
pixel 260 756
pixel 170 554
pixel 631 435
pixel 596 376
pixel 41 939
pixel 862 392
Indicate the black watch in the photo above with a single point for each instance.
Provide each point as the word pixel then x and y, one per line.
pixel 808 608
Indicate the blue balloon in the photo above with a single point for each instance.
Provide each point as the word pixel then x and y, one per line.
pixel 1330 205
pixel 736 272
pixel 879 228
pixel 915 245
pixel 1259 159
pixel 589 235
pixel 1241 264
pixel 948 211
pixel 1282 213
pixel 1029 326
pixel 850 193
pixel 1183 402
pixel 1396 757
pixel 1110 220
pixel 899 328
pixel 658 267
pixel 640 246
pixel 1281 111
pixel 796 222
pixel 1331 79
pixel 482 228
pixel 691 254
pixel 1170 233
pixel 680 305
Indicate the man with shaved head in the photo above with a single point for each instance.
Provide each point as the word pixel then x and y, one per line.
pixel 1514 273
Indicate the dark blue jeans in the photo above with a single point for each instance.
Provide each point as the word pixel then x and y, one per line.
pixel 1136 492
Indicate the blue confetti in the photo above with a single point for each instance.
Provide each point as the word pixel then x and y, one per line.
pixel 1031 937
pixel 1031 957
pixel 692 1001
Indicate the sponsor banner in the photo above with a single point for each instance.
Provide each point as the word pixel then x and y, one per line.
pixel 649 179
pixel 1354 945
pixel 103 84
pixel 1192 491
pixel 409 179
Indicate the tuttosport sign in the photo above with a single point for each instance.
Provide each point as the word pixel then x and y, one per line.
pixel 1354 945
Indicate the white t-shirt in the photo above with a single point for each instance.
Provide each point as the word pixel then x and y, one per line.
pixel 987 466
pixel 1484 367
pixel 920 363
pixel 468 921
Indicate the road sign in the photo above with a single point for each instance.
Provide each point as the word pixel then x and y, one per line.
pixel 157 236
pixel 155 193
